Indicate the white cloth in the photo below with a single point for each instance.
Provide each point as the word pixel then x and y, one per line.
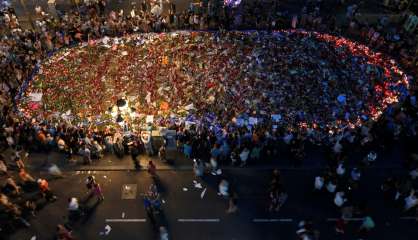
pixel 156 10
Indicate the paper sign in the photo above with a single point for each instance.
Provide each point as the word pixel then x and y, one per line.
pixel 276 117
pixel 252 121
pixel 149 119
pixel 35 97
pixel 240 122
pixel 189 107
pixel 188 124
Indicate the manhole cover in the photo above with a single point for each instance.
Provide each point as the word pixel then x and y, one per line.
pixel 129 191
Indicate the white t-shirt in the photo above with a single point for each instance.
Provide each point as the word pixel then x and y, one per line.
pixel 223 188
pixel 340 169
pixel 339 199
pixel 73 206
pixel 410 201
pixel 244 155
pixel 319 182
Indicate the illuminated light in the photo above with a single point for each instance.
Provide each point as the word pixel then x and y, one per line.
pixel 232 3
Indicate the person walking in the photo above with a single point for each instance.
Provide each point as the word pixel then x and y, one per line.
pixel 148 208
pixel 93 187
pixel 223 188
pixel 163 233
pixel 274 200
pixel 87 155
pixel 232 204
pixel 97 190
pixel 198 168
pixel 152 169
pixel 45 190
pixel 63 233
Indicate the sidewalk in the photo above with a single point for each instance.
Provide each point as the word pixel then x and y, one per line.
pixel 315 159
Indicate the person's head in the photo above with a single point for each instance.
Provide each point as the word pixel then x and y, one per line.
pixel 276 172
pixel 60 227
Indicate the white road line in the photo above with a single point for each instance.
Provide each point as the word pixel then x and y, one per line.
pixel 259 220
pixel 126 220
pixel 198 220
pixel 346 219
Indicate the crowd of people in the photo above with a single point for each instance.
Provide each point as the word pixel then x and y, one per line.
pixel 22 49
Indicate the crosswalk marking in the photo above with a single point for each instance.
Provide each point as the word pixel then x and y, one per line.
pixel 346 219
pixel 198 220
pixel 126 220
pixel 259 220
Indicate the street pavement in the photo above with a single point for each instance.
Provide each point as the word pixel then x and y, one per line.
pixel 189 216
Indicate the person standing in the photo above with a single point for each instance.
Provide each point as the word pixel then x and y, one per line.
pixel 134 155
pixel 366 226
pixel 52 9
pixel 73 209
pixel 146 138
pixel 87 155
pixel 162 153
